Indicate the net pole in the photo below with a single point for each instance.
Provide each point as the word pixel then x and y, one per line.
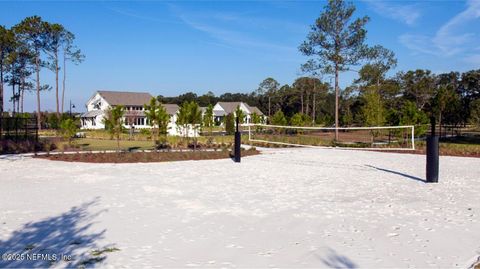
pixel 249 133
pixel 413 137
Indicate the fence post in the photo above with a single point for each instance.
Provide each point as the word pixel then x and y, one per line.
pixel 25 126
pixel 36 128
pixel 8 127
pixel 16 127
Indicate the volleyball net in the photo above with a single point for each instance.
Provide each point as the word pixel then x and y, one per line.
pixel 372 138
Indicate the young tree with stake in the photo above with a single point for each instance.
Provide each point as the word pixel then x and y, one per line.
pixel 114 122
pixel 208 118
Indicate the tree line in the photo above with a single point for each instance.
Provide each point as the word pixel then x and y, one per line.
pixel 373 99
pixel 337 44
pixel 25 49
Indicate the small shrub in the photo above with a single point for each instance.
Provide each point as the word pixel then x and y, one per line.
pixel 68 129
pixel 25 146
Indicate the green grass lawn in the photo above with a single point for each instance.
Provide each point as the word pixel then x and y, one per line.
pixel 87 144
pixel 106 144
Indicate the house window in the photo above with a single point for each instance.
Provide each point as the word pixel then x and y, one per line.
pixel 139 121
pixel 93 122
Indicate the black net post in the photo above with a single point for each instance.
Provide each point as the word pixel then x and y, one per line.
pixel 237 155
pixel 432 155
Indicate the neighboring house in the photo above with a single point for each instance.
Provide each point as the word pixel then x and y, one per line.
pixel 133 102
pixel 135 116
pixel 222 109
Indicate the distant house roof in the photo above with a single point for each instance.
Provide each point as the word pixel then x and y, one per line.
pixel 230 107
pixel 115 98
pixel 219 113
pixel 255 109
pixel 171 108
pixel 92 114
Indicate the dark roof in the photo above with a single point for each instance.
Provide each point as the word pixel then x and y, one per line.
pixel 171 108
pixel 115 98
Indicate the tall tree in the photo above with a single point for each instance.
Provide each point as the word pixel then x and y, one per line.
pixel 269 87
pixel 26 68
pixel 70 54
pixel 418 86
pixel 19 62
pixel 381 60
pixel 443 95
pixel 31 32
pixel 337 41
pixel 6 42
pixel 12 77
pixel 53 42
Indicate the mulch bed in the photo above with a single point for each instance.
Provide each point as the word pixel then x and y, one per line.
pixel 423 151
pixel 143 157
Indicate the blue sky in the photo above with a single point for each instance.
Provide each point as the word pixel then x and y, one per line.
pixel 170 47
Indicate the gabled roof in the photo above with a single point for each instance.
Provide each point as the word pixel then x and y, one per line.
pixel 255 109
pixel 115 98
pixel 230 107
pixel 171 108
pixel 92 114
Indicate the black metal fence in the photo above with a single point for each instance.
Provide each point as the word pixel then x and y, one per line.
pixel 18 128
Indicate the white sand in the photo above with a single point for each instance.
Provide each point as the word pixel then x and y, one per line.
pixel 284 208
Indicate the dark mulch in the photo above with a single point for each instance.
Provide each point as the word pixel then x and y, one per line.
pixel 136 157
pixel 443 152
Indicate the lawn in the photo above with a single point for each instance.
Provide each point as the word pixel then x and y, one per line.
pixel 93 144
pixel 107 144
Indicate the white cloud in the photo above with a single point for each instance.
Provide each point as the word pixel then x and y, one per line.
pixel 407 14
pixel 451 38
pixel 234 30
pixel 233 37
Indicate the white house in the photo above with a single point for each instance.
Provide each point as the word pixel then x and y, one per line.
pixel 135 116
pixel 133 102
pixel 221 109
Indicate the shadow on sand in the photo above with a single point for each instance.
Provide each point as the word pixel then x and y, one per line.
pixel 397 173
pixel 336 260
pixel 43 242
